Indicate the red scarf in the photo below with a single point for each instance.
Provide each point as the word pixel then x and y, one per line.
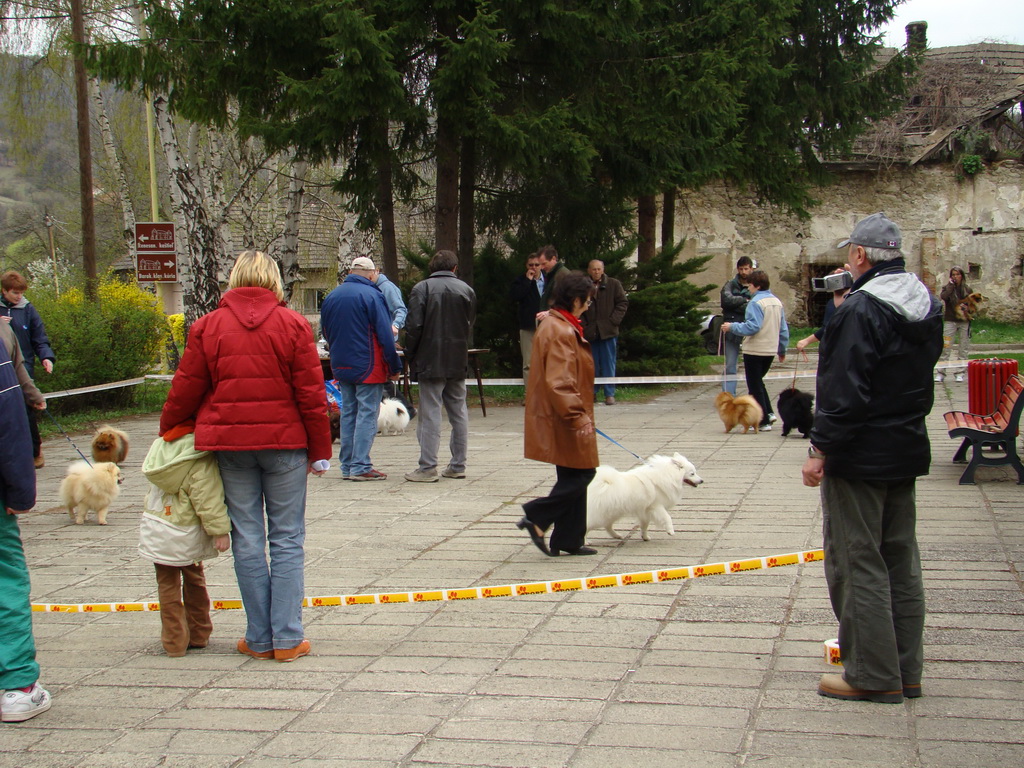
pixel 575 321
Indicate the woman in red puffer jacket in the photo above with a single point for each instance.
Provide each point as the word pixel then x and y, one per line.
pixel 251 378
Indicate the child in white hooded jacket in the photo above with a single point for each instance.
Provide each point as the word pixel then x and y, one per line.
pixel 185 521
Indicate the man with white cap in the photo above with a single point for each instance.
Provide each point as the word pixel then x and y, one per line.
pixel 355 321
pixel 868 446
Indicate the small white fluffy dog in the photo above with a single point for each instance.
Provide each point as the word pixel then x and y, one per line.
pixel 393 417
pixel 87 488
pixel 646 492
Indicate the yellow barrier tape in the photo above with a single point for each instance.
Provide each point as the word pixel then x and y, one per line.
pixel 478 593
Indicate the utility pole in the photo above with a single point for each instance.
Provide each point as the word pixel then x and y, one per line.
pixel 84 157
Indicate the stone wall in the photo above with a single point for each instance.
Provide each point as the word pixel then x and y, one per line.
pixel 976 223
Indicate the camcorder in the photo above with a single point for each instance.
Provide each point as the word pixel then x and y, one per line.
pixel 832 283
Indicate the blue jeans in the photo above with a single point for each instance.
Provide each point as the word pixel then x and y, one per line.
pixel 272 594
pixel 604 351
pixel 732 355
pixel 360 404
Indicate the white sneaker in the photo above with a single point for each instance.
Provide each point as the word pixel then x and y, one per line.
pixel 939 378
pixel 765 428
pixel 18 706
pixel 771 418
pixel 959 377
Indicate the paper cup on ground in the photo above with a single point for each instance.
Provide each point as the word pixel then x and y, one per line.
pixel 832 653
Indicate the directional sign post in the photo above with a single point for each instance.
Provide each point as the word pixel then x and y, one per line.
pixel 156 261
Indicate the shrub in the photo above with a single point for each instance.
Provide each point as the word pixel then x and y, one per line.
pixel 119 338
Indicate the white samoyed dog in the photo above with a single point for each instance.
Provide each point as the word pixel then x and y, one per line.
pixel 392 418
pixel 646 492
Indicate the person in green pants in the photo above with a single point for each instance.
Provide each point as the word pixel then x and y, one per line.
pixel 23 697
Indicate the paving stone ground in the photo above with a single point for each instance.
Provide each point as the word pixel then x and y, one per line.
pixel 715 672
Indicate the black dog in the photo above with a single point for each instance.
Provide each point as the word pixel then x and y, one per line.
pixel 796 410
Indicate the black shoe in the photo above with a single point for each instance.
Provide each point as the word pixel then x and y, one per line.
pixel 538 539
pixel 577 551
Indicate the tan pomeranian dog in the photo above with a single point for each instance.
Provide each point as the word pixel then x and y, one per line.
pixel 969 307
pixel 743 411
pixel 87 488
pixel 109 444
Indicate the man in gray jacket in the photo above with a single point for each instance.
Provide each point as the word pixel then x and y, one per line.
pixel 442 309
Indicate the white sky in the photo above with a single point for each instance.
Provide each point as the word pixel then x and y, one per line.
pixel 959 22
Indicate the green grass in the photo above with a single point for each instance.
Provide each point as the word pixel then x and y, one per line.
pixel 984 331
pixel 146 398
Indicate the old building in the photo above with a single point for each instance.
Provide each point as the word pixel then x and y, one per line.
pixel 948 168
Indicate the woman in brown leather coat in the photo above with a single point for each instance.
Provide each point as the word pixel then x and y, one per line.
pixel 560 420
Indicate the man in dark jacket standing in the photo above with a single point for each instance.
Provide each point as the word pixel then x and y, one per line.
pixel 442 309
pixel 551 271
pixel 736 294
pixel 525 294
pixel 355 321
pixel 869 444
pixel 601 325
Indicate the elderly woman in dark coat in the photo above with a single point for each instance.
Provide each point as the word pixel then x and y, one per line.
pixel 560 420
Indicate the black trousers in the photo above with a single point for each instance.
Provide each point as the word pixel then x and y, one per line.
pixel 565 507
pixel 33 428
pixel 755 367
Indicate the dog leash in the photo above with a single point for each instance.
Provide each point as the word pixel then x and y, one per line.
pixel 612 440
pixel 66 435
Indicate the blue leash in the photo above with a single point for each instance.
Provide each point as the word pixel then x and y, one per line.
pixel 66 435
pixel 612 440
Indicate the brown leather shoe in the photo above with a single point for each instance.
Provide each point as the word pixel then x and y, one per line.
pixel 609 400
pixel 835 687
pixel 291 654
pixel 39 461
pixel 264 655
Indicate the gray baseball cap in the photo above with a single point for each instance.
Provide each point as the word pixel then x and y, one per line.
pixel 876 231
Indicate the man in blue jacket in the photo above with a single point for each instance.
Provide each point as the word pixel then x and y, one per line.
pixel 23 697
pixel 869 445
pixel 28 327
pixel 355 321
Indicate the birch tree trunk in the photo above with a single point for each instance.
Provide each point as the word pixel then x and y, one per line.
pixel 201 288
pixel 110 150
pixel 246 160
pixel 288 252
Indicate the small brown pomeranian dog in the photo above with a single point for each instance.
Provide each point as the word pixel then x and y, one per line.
pixel 109 444
pixel 87 488
pixel 743 411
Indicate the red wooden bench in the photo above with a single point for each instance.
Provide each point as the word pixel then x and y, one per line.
pixel 993 438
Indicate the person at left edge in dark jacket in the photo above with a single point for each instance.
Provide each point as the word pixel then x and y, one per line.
pixel 442 309
pixel 28 327
pixel 251 378
pixel 559 426
pixel 23 697
pixel 354 320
